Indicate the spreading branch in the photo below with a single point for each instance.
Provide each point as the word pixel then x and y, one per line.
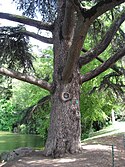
pixel 27 21
pixel 26 78
pixel 113 82
pixel 82 25
pixel 113 67
pixel 101 7
pixel 31 34
pixel 103 67
pixel 103 44
pixel 38 37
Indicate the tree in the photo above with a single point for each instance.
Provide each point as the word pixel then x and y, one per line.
pixel 69 22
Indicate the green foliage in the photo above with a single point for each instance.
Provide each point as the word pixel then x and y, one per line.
pixel 23 129
pixel 95 108
pixel 14 49
pixel 99 28
pixel 7 115
pixel 97 99
pixel 43 64
pixel 25 95
pixel 43 119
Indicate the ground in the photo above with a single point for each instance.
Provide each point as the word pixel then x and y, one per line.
pixel 97 152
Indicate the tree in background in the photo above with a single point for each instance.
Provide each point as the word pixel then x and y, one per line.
pixel 69 21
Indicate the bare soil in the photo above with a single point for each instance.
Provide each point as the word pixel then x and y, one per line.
pixel 96 153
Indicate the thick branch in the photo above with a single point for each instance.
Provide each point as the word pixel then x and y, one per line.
pixel 75 49
pixel 101 8
pixel 27 21
pixel 80 32
pixel 38 37
pixel 69 21
pixel 27 33
pixel 93 53
pixel 26 78
pixel 107 64
pixel 113 67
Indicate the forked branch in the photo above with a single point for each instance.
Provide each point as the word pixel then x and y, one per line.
pixel 107 64
pixel 103 44
pixel 101 7
pixel 113 67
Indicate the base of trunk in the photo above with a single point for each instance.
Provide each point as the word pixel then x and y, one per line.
pixel 65 127
pixel 58 149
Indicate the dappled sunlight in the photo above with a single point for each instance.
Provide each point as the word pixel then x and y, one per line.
pixel 97 147
pixel 48 161
pixel 34 161
pixel 67 160
pixel 5 133
pixel 58 162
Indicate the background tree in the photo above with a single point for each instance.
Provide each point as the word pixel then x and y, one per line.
pixel 69 22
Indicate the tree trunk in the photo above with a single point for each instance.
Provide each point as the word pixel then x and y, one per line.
pixel 65 127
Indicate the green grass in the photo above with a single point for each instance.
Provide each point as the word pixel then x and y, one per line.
pixel 4 133
pixel 116 128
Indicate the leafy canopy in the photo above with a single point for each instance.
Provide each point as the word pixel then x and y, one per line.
pixel 46 8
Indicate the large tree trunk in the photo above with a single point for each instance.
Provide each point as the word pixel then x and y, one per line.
pixel 65 128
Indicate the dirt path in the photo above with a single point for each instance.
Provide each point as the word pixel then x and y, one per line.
pixel 97 152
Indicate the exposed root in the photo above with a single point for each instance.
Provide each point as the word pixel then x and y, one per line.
pixel 60 152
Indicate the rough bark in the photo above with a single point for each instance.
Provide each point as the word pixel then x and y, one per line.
pixel 65 127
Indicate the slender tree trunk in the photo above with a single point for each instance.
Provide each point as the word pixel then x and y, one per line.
pixel 65 127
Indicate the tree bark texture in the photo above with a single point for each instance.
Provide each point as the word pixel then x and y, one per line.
pixel 65 128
